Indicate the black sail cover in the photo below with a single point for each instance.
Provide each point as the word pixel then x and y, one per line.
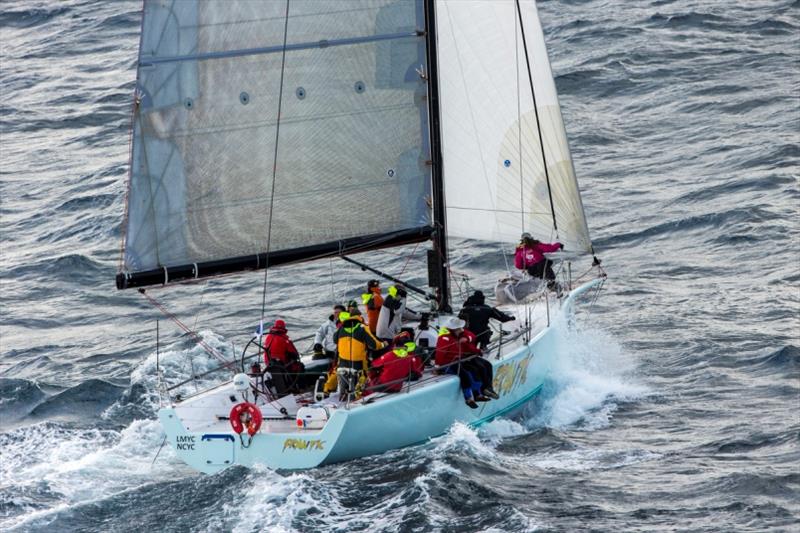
pixel 352 168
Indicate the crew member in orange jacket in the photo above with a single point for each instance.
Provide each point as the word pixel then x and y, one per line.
pixel 373 300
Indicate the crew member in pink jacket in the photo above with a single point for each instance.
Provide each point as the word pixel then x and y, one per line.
pixel 530 257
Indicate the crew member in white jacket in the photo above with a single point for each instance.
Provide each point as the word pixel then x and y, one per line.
pixel 324 345
pixel 393 312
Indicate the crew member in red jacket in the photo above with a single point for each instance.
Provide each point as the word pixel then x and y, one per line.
pixel 454 345
pixel 278 346
pixel 280 350
pixel 530 256
pixel 389 372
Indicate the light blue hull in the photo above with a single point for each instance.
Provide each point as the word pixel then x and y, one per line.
pixel 393 421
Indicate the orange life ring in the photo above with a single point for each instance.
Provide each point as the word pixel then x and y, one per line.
pixel 248 415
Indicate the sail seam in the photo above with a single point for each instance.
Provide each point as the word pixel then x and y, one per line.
pixel 275 49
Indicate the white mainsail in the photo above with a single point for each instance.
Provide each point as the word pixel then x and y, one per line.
pixel 213 80
pixel 496 185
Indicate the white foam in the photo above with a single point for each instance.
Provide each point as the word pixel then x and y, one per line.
pixel 584 459
pixel 590 374
pixel 85 465
pixel 273 502
pixel 177 364
pixel 81 466
pixel 463 439
pixel 501 428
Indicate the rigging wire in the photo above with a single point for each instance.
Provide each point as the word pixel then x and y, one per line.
pixel 536 112
pixel 207 347
pixel 519 135
pixel 274 173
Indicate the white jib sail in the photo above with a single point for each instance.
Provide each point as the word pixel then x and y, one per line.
pixel 496 186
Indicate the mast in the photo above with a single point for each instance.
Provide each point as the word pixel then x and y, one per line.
pixel 437 178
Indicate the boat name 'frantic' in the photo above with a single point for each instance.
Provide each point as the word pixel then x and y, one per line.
pixel 302 444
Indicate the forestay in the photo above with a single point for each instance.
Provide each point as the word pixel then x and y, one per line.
pixel 496 184
pixel 352 132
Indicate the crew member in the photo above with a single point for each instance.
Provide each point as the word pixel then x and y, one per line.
pixel 324 345
pixel 529 256
pixel 353 340
pixel 392 314
pixel 373 301
pixel 453 347
pixel 477 315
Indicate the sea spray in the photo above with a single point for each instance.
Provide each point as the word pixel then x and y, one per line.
pixel 591 373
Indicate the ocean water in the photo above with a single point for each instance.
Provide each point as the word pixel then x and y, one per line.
pixel 677 407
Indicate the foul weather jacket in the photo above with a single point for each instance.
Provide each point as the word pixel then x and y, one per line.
pixel 451 347
pixel 477 317
pixel 394 371
pixel 279 347
pixel 374 302
pixel 390 319
pixel 325 334
pixel 527 256
pixel 353 339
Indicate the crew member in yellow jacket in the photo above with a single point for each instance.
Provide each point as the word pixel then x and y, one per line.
pixel 353 340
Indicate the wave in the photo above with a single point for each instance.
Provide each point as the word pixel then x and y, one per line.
pixel 18 397
pixel 730 187
pixel 62 266
pixel 784 362
pixel 59 471
pixel 716 219
pixel 30 18
pixel 82 403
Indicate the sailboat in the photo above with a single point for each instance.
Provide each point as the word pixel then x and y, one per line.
pixel 274 133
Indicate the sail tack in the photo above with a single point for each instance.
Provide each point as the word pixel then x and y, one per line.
pixel 496 183
pixel 352 134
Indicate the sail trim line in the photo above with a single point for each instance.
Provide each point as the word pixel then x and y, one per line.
pixel 149 62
